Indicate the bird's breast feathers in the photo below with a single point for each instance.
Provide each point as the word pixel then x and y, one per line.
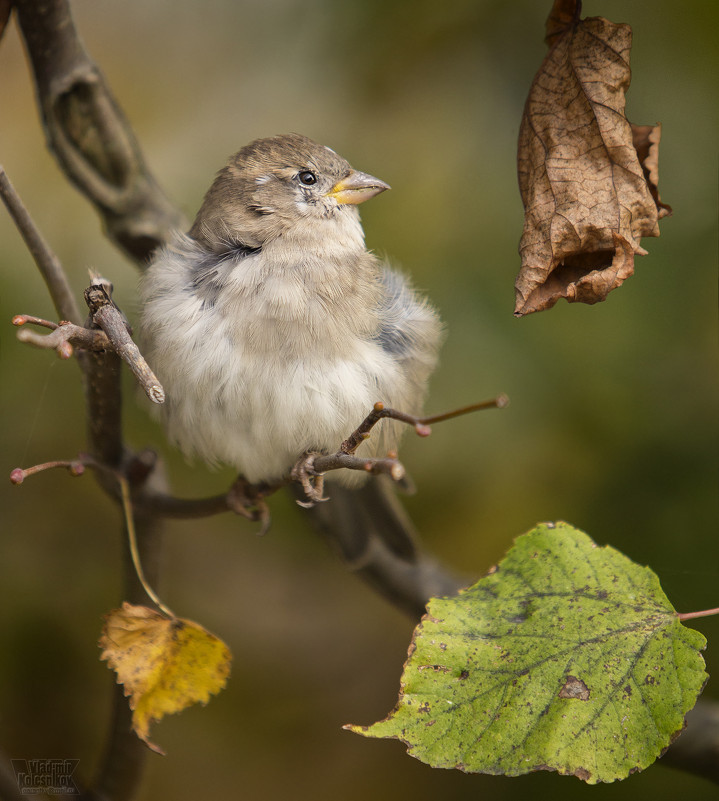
pixel 265 358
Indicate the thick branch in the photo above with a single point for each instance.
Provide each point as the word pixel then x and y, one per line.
pixel 372 533
pixel 89 135
pixel 164 505
pixel 697 749
pixel 125 756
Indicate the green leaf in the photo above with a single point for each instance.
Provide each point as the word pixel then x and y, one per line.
pixel 566 657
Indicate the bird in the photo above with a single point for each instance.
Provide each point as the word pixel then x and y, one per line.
pixel 274 330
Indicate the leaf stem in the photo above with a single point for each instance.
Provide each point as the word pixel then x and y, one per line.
pixel 132 540
pixel 703 613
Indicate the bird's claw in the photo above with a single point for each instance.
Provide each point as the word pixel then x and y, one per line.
pixel 313 483
pixel 248 500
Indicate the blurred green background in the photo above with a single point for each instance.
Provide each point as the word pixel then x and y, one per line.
pixel 612 424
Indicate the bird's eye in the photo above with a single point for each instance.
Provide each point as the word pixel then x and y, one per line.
pixel 307 178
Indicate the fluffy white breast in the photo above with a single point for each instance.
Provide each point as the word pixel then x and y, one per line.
pixel 275 354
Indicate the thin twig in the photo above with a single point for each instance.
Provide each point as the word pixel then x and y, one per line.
pixel 47 262
pixel 309 469
pixel 76 467
pixel 348 461
pixel 63 336
pixel 112 334
pixel 148 500
pixel 111 320
pixel 500 402
pixel 24 319
pixel 421 424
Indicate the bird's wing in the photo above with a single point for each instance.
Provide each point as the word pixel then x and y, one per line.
pixel 410 331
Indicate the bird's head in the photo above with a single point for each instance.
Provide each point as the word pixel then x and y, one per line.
pixel 279 185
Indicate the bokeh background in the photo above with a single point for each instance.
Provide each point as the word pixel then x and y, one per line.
pixel 612 423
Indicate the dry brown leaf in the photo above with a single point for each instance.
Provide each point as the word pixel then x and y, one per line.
pixel 164 664
pixel 646 142
pixel 587 176
pixel 564 13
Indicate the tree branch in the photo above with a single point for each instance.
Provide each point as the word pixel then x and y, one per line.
pixel 89 135
pixel 696 750
pixel 110 319
pixel 371 532
pixel 112 332
pixel 64 335
pixel 421 424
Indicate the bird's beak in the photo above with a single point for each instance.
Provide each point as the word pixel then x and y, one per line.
pixel 356 188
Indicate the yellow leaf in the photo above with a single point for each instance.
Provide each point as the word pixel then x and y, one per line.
pixel 164 664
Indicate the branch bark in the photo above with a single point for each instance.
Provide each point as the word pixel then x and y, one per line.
pixel 108 317
pixel 89 135
pixel 697 749
pixel 380 548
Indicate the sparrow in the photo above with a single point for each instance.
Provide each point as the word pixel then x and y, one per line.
pixel 272 328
